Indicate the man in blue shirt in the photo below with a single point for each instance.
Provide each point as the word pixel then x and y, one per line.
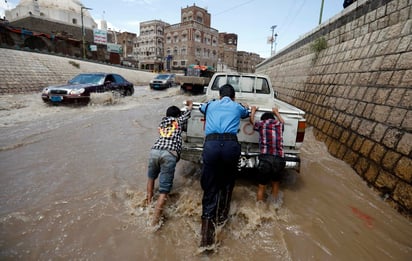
pixel 221 152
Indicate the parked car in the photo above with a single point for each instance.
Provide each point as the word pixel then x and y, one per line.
pixel 163 81
pixel 78 89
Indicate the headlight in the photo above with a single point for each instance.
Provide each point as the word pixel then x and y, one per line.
pixel 76 92
pixel 45 91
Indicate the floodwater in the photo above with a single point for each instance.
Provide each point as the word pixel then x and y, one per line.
pixel 73 179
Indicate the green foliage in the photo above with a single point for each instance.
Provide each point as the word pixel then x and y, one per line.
pixel 74 64
pixel 319 45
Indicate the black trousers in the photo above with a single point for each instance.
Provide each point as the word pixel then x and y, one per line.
pixel 220 166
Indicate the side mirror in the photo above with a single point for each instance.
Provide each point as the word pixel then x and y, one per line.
pixel 275 94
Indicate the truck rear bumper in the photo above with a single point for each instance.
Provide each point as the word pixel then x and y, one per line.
pixel 250 160
pixel 246 161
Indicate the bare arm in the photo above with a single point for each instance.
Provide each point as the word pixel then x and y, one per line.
pixel 253 110
pixel 189 104
pixel 275 111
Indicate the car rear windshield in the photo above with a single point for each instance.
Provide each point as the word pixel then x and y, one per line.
pixel 247 84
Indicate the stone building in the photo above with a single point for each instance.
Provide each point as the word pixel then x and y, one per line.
pixel 227 52
pixel 150 45
pixel 53 17
pixel 192 41
pixel 128 42
pixel 246 61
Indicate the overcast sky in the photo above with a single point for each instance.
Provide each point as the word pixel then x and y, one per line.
pixel 251 20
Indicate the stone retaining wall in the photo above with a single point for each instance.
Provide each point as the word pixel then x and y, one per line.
pixel 24 72
pixel 357 91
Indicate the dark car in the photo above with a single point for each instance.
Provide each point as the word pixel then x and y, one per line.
pixel 163 81
pixel 78 89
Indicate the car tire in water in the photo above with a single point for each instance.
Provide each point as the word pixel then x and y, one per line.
pixel 128 92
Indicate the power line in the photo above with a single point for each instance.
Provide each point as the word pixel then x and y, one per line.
pixel 234 7
pixel 288 21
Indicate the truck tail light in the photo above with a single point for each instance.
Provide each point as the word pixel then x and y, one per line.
pixel 301 131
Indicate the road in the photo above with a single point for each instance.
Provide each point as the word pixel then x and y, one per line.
pixel 73 181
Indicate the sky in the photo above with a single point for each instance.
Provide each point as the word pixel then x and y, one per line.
pixel 251 20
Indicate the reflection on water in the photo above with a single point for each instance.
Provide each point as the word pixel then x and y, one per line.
pixel 73 180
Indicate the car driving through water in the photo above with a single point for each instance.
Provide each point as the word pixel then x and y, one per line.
pixel 78 89
pixel 163 81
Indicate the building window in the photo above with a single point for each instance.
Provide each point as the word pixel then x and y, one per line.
pixel 183 51
pixel 198 52
pixel 74 21
pixel 198 37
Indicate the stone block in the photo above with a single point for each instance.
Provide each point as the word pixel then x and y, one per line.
pixel 405 61
pixel 370 94
pixel 396 116
pixel 377 153
pixel 360 108
pixel 386 181
pixel 407 28
pixel 380 113
pixel 392 137
pixel 366 148
pixel 341 151
pixel 357 144
pixel 391 7
pixel 403 169
pixel 384 78
pixel 361 166
pixel 390 159
pixel 405 144
pixel 371 173
pixel 368 111
pixel 366 127
pixel 378 132
pixel 333 147
pixel 407 78
pixel 351 157
pixel 403 195
pixel 395 97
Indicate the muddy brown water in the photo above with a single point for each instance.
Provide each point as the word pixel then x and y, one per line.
pixel 72 183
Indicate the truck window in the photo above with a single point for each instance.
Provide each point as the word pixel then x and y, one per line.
pixel 247 84
pixel 219 81
pixel 262 86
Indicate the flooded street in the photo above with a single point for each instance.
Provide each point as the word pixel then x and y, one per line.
pixel 73 181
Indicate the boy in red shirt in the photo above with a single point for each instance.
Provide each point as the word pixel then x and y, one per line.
pixel 271 158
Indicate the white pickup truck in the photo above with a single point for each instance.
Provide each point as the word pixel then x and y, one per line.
pixel 255 90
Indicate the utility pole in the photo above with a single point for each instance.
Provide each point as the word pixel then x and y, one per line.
pixel 272 39
pixel 321 12
pixel 83 31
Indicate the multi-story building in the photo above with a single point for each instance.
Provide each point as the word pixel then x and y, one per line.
pixel 227 52
pixel 150 45
pixel 192 41
pixel 127 41
pixel 246 61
